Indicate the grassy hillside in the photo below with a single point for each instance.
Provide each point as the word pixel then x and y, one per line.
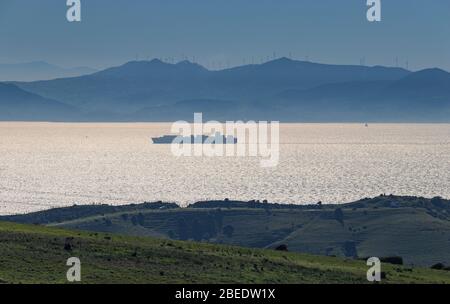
pixel 416 229
pixel 36 254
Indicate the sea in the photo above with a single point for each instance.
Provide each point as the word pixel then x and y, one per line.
pixel 47 165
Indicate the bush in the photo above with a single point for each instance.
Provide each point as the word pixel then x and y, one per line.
pixel 438 266
pixel 395 260
pixel 282 247
pixel 68 244
pixel 339 215
pixel 134 220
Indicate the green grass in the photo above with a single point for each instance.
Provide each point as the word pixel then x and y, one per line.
pixel 36 254
pixel 413 233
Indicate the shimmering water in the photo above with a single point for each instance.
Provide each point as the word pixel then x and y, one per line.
pixel 43 165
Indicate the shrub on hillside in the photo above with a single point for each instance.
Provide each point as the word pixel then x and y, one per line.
pixel 228 231
pixel 395 260
pixel 438 266
pixel 282 247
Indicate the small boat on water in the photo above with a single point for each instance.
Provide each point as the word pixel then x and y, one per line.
pixel 199 139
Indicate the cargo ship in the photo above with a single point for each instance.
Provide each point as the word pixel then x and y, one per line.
pixel 199 139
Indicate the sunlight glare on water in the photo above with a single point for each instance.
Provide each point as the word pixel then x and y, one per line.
pixel 44 165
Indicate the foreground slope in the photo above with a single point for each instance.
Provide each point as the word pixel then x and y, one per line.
pixel 416 229
pixel 35 254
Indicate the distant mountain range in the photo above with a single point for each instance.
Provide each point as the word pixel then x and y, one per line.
pixel 282 89
pixel 17 104
pixel 39 70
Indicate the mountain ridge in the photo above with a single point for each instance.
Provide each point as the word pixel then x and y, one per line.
pixel 281 89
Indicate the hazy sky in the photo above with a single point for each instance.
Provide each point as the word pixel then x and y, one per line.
pixel 226 31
